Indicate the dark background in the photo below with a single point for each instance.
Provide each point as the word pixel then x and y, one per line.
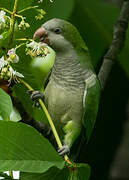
pixel 108 150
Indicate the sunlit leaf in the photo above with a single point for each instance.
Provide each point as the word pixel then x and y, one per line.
pixel 81 172
pixel 23 148
pixel 5 105
pixel 15 115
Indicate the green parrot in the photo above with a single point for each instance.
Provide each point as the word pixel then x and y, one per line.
pixel 73 90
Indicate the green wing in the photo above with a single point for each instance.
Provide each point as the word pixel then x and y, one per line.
pixel 92 92
pixel 91 103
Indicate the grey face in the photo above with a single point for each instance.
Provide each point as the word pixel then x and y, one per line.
pixel 56 33
pixel 52 32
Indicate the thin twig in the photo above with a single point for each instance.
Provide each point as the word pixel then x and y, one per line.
pixel 4 9
pixel 12 22
pixel 31 7
pixel 117 44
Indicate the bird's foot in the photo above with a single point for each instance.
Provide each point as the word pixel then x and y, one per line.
pixel 35 96
pixel 65 149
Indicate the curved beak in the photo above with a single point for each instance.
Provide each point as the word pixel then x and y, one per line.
pixel 41 33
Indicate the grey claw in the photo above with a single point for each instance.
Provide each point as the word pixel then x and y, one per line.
pixel 35 96
pixel 64 150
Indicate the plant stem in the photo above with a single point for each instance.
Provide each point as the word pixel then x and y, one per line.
pixel 24 39
pixel 20 16
pixel 31 7
pixel 49 120
pixel 12 22
pixel 20 45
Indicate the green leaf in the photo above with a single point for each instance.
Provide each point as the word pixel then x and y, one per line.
pixel 81 172
pixel 53 173
pixel 5 105
pixel 23 148
pixel 42 65
pixel 15 115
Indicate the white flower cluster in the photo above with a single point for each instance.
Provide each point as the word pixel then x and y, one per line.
pixel 35 49
pixel 6 70
pixel 13 57
pixel 4 20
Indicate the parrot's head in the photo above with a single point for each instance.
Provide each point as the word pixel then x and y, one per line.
pixel 60 35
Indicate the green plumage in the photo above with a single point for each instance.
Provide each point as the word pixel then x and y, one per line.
pixel 72 94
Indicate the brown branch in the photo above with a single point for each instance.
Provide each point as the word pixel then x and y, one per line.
pixel 117 44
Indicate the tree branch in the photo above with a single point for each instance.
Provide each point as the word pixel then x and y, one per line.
pixel 117 44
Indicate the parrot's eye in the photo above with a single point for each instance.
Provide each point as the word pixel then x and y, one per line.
pixel 57 30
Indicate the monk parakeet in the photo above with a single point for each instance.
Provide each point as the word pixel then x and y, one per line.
pixel 72 93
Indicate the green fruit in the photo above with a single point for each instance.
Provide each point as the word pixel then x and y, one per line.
pixel 42 65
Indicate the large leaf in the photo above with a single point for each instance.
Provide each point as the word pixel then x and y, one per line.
pixel 5 105
pixel 42 65
pixel 23 148
pixel 7 111
pixel 81 172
